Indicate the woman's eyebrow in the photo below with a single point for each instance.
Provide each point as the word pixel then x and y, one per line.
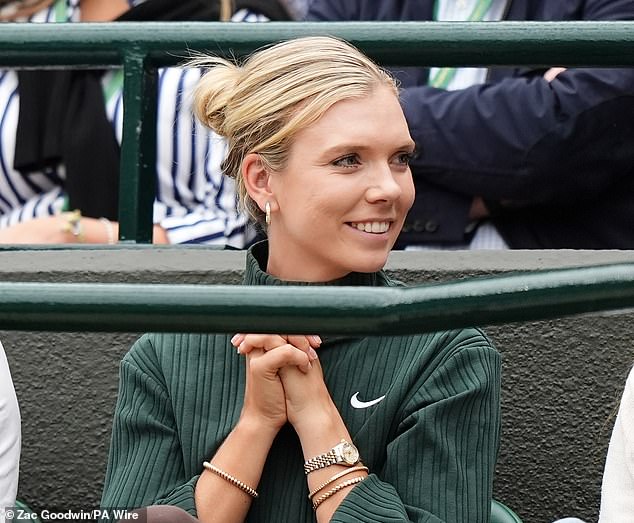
pixel 354 146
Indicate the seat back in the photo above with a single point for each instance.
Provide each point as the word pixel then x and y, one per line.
pixel 28 514
pixel 500 513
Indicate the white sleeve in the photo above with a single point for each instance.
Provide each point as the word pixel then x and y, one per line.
pixel 39 206
pixel 10 437
pixel 617 491
pixel 195 202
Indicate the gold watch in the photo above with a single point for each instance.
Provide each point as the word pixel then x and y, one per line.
pixel 344 453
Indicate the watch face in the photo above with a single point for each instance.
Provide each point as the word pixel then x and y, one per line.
pixel 350 454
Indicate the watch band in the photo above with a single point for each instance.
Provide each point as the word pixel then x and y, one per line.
pixel 320 462
pixel 343 453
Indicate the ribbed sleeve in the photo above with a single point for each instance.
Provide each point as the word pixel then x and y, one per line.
pixel 145 464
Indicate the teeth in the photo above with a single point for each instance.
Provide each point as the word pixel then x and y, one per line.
pixel 373 227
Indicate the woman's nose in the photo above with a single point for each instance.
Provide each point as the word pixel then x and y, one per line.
pixel 383 185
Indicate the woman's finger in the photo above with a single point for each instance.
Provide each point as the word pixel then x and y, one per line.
pixel 260 341
pixel 280 357
pixel 304 343
pixel 247 342
pixel 237 339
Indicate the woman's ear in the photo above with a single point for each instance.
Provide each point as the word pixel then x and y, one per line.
pixel 257 180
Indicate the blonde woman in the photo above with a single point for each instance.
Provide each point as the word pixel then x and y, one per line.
pixel 309 428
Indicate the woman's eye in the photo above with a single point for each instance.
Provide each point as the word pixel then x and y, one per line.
pixel 352 160
pixel 404 158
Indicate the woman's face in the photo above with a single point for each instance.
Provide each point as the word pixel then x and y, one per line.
pixel 341 200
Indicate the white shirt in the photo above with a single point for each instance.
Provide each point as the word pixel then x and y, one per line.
pixel 10 437
pixel 617 491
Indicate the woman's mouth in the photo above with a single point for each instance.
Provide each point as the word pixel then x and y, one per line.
pixel 373 227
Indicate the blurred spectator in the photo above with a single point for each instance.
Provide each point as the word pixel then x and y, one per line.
pixel 9 437
pixel 525 158
pixel 59 149
pixel 617 492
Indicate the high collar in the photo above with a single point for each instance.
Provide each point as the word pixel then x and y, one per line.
pixel 255 273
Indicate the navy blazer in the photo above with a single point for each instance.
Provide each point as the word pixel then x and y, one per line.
pixel 554 161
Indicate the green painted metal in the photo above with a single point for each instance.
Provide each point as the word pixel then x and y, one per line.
pixel 397 43
pixel 138 149
pixel 325 310
pixel 142 47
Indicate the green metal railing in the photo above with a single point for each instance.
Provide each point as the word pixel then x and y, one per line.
pixel 326 310
pixel 143 47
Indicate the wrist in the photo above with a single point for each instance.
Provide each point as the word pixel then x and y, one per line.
pixel 321 434
pixel 320 422
pixel 257 427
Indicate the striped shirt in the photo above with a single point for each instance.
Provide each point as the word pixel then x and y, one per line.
pixel 194 203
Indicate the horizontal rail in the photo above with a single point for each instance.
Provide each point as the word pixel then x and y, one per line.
pixel 393 43
pixel 141 47
pixel 324 310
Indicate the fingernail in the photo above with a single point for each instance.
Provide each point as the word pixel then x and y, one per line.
pixel 315 339
pixel 312 354
pixel 235 337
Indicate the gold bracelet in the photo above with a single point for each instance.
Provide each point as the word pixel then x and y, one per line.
pixel 109 230
pixel 234 481
pixel 336 489
pixel 336 477
pixel 72 224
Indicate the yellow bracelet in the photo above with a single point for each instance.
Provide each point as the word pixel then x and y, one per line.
pixel 336 489
pixel 228 477
pixel 336 477
pixel 72 224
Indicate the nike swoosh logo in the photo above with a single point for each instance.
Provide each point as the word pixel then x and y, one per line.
pixel 358 404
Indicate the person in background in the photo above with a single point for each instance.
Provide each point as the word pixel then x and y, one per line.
pixel 617 491
pixel 10 438
pixel 515 157
pixel 42 176
pixel 340 429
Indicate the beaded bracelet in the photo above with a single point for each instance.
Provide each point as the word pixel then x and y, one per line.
pixel 335 477
pixel 336 489
pixel 234 481
pixel 109 230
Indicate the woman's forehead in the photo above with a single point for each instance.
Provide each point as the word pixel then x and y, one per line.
pixel 360 121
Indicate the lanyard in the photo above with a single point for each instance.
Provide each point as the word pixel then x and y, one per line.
pixel 444 75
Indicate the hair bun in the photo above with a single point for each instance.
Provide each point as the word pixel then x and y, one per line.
pixel 214 92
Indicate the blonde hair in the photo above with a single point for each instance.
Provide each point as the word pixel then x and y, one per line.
pixel 261 105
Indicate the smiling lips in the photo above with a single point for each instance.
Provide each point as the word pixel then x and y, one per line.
pixel 371 227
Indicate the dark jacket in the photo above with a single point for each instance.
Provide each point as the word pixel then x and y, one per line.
pixel 554 161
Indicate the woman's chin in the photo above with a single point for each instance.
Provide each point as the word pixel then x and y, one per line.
pixel 369 263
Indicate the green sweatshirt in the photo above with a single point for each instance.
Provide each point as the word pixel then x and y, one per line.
pixel 430 442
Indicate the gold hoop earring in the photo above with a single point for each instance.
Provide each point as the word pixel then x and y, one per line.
pixel 267 212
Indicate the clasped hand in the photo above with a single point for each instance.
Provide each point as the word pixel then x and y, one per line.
pixel 284 380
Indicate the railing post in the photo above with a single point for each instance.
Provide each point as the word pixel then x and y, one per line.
pixel 138 149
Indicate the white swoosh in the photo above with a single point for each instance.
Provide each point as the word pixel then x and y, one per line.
pixel 358 404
